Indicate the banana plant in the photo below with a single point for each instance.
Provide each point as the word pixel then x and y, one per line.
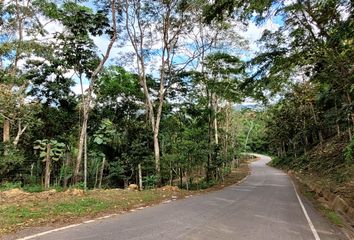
pixel 49 150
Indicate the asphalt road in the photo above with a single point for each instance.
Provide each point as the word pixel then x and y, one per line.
pixel 265 206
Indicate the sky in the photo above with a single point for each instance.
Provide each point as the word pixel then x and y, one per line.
pixel 251 33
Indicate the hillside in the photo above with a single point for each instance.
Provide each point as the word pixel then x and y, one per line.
pixel 326 171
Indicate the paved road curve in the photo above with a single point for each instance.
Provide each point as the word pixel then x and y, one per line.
pixel 264 207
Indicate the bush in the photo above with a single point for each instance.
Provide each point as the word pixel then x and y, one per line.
pixel 349 153
pixel 9 185
pixel 149 181
pixel 33 188
pixel 11 161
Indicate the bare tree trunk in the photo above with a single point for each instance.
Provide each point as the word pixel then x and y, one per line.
pixel 350 134
pixel 337 118
pixel 210 137
pixel 140 177
pixel 215 119
pixel 101 172
pixel 227 129
pixel 47 167
pixel 351 118
pixel 96 176
pixel 187 180
pixel 350 102
pixel 85 163
pixel 81 145
pixel 180 177
pixel 171 173
pixel 6 130
pixel 6 134
pixel 20 131
pixel 248 134
pixel 157 157
pixel 66 165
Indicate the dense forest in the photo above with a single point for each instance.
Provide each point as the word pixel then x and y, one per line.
pixel 107 93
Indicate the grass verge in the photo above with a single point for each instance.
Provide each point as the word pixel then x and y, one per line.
pixel 52 208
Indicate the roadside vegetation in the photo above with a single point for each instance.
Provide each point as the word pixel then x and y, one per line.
pixel 20 209
pixel 121 92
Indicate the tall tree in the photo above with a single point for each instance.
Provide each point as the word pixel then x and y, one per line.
pixel 81 22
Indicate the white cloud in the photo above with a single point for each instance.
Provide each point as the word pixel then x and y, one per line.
pixel 253 33
pixel 77 88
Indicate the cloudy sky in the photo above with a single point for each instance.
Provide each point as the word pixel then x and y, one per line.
pixel 251 33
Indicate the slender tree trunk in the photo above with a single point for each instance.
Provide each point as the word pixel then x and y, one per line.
pixel 350 134
pixel 20 131
pixel 157 156
pixel 137 39
pixel 350 102
pixel 140 177
pixel 66 165
pixel 88 99
pixel 47 167
pixel 6 130
pixel 187 180
pixel 96 176
pixel 171 173
pixel 210 137
pixel 351 125
pixel 101 172
pixel 181 177
pixel 85 163
pixel 248 134
pixel 81 145
pixel 227 129
pixel 337 117
pixel 6 134
pixel 215 120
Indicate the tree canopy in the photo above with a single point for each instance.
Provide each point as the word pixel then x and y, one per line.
pixel 115 92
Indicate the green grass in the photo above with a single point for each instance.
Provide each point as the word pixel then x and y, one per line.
pixel 333 217
pixel 79 207
pixel 32 188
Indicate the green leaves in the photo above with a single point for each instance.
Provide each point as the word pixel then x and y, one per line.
pixel 224 74
pixel 57 149
pixel 106 133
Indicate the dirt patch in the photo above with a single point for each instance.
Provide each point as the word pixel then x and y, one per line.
pixel 13 196
pixel 170 188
